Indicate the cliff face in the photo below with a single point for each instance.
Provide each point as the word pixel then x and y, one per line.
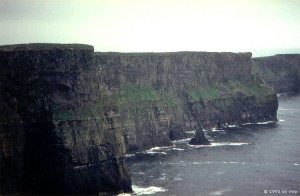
pixel 68 115
pixel 159 95
pixel 43 151
pixel 281 72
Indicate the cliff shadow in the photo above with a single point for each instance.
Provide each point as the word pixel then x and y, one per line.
pixel 45 159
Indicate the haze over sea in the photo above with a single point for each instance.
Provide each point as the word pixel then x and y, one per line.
pixel 262 159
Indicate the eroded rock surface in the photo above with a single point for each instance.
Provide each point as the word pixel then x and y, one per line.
pixel 69 115
pixel 156 92
pixel 51 141
pixel 281 72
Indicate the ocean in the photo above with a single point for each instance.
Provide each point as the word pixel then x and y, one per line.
pixel 251 159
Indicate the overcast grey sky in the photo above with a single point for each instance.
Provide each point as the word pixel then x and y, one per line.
pixel 264 27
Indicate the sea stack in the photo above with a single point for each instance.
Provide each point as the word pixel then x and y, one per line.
pixel 199 138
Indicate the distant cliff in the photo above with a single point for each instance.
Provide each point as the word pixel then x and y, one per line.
pixel 281 72
pixel 68 115
pixel 159 95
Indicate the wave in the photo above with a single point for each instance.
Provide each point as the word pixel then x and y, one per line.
pixel 214 144
pixel 147 190
pixel 217 130
pixel 157 150
pixel 179 149
pixel 281 94
pixel 260 123
pixel 192 132
pixel 265 123
pixel 124 194
pixel 182 141
pixel 129 155
pixel 232 126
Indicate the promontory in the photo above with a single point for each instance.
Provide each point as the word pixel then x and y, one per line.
pixel 68 115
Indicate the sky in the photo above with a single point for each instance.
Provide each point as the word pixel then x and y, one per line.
pixel 263 27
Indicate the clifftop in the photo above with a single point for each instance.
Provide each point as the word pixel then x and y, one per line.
pixel 44 46
pixel 248 54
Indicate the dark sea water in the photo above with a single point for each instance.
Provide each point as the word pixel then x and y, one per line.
pixel 261 159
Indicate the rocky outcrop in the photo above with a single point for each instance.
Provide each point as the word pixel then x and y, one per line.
pixel 52 137
pixel 157 92
pixel 281 72
pixel 199 138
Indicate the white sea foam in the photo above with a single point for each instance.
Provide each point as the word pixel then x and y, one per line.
pixel 154 152
pixel 182 141
pixel 281 94
pixel 296 164
pixel 281 120
pixel 129 155
pixel 232 126
pixel 213 144
pixel 219 173
pixel 217 130
pixel 219 192
pixel 124 194
pixel 158 150
pixel 259 123
pixel 179 149
pixel 264 123
pixel 192 132
pixel 147 190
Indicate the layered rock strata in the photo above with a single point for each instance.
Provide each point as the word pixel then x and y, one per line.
pixel 48 143
pixel 163 94
pixel 68 115
pixel 281 72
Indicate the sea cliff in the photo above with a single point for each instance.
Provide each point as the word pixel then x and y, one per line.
pixel 69 115
pixel 163 94
pixel 281 72
pixel 40 150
